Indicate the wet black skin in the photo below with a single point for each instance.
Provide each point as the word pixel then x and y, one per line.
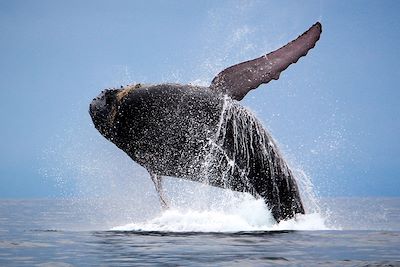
pixel 167 129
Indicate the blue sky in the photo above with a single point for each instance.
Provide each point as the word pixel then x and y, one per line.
pixel 335 113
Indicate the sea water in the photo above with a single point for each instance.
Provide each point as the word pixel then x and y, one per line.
pixel 356 232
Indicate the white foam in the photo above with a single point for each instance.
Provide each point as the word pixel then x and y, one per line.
pixel 303 222
pixel 249 215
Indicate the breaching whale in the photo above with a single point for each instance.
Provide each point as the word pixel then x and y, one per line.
pixel 203 134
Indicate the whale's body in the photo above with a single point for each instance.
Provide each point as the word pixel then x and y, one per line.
pixel 203 134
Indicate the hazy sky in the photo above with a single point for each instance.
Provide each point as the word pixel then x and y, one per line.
pixel 335 114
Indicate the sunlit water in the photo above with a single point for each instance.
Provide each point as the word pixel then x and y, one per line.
pixel 51 233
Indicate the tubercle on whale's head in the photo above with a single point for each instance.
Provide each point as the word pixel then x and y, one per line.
pixel 126 90
pixel 102 110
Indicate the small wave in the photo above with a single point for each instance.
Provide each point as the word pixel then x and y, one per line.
pixel 250 215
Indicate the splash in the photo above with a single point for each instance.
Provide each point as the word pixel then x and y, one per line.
pixel 248 215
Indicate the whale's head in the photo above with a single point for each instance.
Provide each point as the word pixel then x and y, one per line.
pixel 103 110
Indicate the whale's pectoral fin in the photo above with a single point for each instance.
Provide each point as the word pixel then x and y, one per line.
pixel 157 180
pixel 236 81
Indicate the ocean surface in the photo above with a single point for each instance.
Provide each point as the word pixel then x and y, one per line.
pixel 347 232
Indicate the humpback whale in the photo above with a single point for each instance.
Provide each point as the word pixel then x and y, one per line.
pixel 203 134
